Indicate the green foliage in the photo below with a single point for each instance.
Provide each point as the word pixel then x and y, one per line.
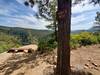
pixel 7 41
pixel 84 38
pixel 47 44
pixel 87 39
pixel 98 37
pixel 97 34
pixel 11 37
pixel 75 41
pixel 26 36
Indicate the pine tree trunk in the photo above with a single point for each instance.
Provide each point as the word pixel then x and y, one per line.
pixel 55 29
pixel 64 22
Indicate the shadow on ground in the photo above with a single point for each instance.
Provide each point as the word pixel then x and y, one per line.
pixel 16 62
pixel 81 72
pixel 50 71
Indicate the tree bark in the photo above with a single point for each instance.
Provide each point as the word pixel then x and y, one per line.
pixel 55 29
pixel 64 22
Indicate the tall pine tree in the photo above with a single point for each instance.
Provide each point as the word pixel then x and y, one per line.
pixel 64 23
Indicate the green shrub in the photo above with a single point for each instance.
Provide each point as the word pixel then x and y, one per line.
pixel 7 42
pixel 98 37
pixel 97 34
pixel 47 44
pixel 83 39
pixel 87 39
pixel 75 41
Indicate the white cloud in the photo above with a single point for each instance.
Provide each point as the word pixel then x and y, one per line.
pixel 83 16
pixel 22 16
pixel 21 1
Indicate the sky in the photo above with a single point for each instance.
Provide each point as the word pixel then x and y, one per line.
pixel 14 13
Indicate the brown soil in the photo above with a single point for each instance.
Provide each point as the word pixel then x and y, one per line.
pixel 87 58
pixel 84 58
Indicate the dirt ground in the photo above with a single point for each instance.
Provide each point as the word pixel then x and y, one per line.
pixel 84 58
pixel 87 58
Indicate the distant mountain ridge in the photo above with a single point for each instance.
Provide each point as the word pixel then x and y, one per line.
pixel 41 33
pixel 93 29
pixel 15 30
pixel 26 36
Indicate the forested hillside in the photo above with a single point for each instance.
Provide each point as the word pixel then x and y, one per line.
pixel 26 36
pixel 12 37
pixel 7 41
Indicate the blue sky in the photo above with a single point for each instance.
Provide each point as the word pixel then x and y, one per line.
pixel 14 14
